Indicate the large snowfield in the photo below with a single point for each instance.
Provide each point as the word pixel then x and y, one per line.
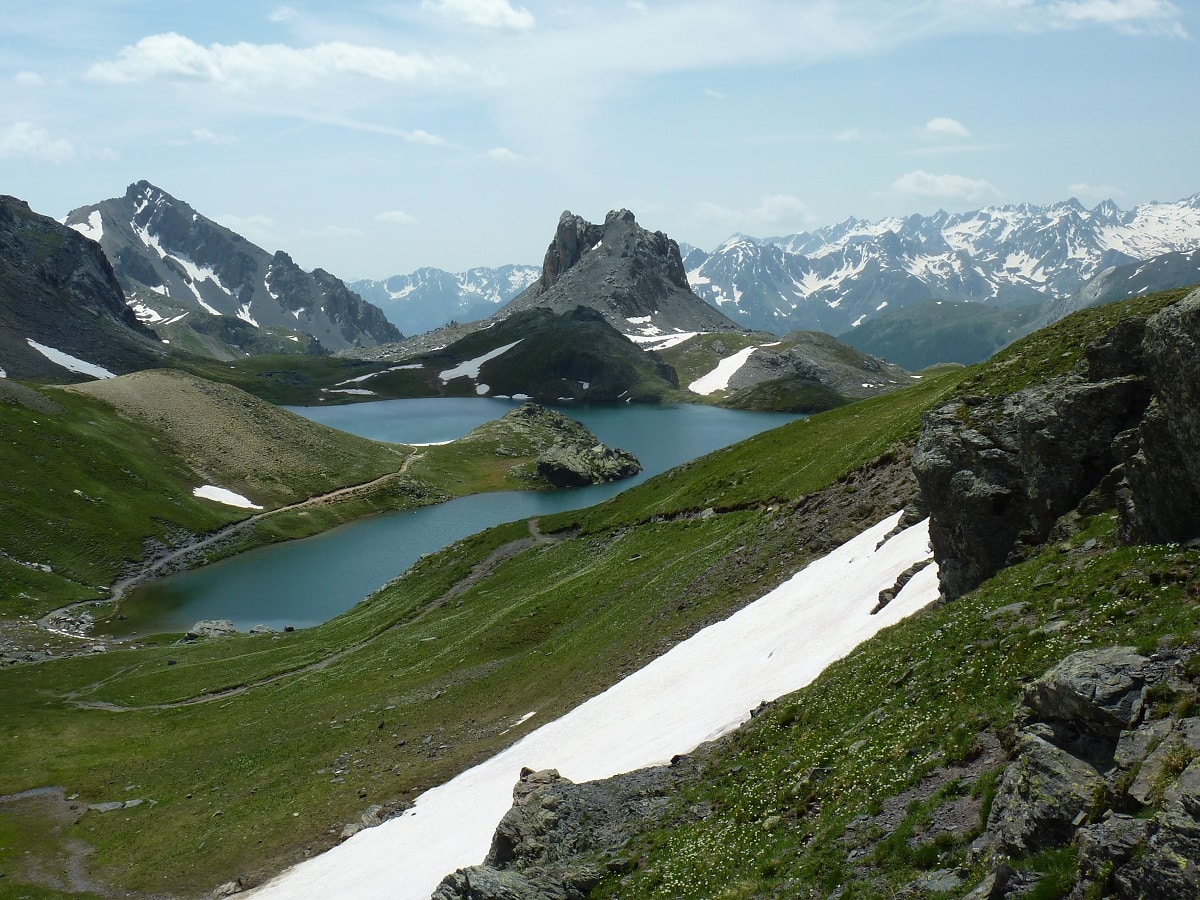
pixel 701 689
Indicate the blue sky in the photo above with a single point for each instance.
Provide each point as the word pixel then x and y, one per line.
pixel 372 137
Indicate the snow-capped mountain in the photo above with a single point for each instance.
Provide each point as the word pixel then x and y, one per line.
pixel 837 277
pixel 170 261
pixel 429 298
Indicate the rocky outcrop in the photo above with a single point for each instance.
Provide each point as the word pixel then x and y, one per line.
pixel 567 453
pixel 564 466
pixel 996 473
pixel 560 838
pixel 631 276
pixel 1101 765
pixel 1161 498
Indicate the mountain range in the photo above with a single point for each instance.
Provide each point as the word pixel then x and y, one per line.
pixel 837 278
pixel 174 264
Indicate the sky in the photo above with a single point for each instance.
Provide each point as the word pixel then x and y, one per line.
pixel 374 137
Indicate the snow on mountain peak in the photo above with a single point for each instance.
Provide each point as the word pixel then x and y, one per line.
pixel 834 277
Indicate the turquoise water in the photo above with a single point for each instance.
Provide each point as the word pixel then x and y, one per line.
pixel 302 583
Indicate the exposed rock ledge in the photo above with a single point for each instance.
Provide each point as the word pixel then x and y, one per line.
pixel 997 473
pixel 1107 758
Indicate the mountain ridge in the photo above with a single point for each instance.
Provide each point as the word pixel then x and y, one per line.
pixel 170 260
pixel 839 276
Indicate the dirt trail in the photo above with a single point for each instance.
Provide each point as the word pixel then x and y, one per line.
pixel 122 585
pixel 478 571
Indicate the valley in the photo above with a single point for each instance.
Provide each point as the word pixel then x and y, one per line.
pixel 262 749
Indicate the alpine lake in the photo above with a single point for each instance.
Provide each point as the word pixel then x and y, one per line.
pixel 305 582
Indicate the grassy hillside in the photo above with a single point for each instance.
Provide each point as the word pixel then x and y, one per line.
pixel 328 721
pixel 255 751
pixel 941 331
pixel 854 780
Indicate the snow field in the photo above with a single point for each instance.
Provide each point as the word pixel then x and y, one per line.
pixel 69 362
pixel 699 690
pixel 221 495
pixel 471 367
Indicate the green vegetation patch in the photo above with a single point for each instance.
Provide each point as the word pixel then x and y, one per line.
pixel 875 723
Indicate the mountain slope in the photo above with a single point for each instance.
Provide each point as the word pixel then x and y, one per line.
pixel 941 331
pixel 58 292
pixel 535 353
pixel 1156 273
pixel 925 763
pixel 168 257
pixel 838 277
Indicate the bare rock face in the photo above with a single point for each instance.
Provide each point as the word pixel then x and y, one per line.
pixel 57 289
pixel 1161 498
pixel 633 277
pixel 998 472
pixel 574 236
pixel 560 838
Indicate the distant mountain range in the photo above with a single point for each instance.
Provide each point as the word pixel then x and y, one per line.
pixel 839 277
pixel 172 262
pixel 429 298
pixel 611 317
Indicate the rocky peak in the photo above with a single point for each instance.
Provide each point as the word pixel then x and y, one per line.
pixel 171 258
pixel 623 271
pixel 573 237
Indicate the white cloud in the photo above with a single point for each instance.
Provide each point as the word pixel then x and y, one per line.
pixel 944 187
pixel 483 13
pixel 1095 192
pixel 205 136
pixel 250 67
pixel 771 209
pixel 849 134
pixel 283 14
pixel 397 217
pixel 29 79
pixel 503 154
pixel 24 140
pixel 943 127
pixel 1129 16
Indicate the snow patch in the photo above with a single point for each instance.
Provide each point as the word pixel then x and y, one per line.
pixel 718 378
pixel 361 378
pixel 221 495
pixel 662 341
pixel 482 389
pixel 471 367
pixel 243 313
pixel 699 690
pixel 69 362
pixel 93 228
